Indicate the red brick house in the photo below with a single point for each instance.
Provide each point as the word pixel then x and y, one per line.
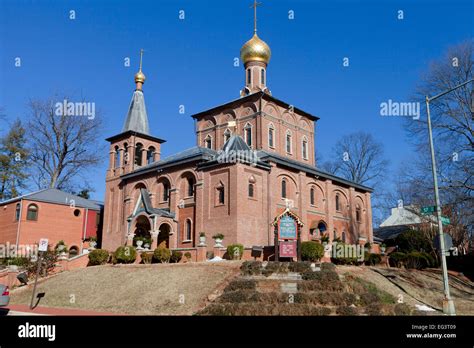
pixel 254 156
pixel 52 214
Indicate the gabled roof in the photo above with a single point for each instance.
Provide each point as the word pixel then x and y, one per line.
pixel 236 143
pixel 56 196
pixel 253 97
pixel 149 207
pixel 137 119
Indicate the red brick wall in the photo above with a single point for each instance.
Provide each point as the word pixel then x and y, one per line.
pixel 8 225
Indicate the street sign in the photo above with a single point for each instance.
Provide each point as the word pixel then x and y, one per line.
pixel 428 210
pixel 445 220
pixel 448 242
pixel 43 244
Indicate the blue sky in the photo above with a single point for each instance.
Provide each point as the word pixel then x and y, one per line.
pixel 190 62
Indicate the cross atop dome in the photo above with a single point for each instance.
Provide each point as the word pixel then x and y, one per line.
pixel 255 54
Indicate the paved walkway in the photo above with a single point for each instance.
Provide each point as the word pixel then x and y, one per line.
pixel 19 309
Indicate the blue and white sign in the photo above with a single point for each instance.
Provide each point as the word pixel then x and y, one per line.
pixel 287 228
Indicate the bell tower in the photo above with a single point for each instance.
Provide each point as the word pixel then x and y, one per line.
pixel 255 54
pixel 129 150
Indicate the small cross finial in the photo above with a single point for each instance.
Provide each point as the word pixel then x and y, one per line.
pixel 141 57
pixel 255 4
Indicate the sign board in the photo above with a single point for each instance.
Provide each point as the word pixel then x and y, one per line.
pixel 288 249
pixel 43 245
pixel 287 228
pixel 428 210
pixel 445 220
pixel 448 242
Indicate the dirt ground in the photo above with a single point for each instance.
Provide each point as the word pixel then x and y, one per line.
pixel 156 289
pixel 417 287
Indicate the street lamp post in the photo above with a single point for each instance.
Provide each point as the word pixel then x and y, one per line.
pixel 448 304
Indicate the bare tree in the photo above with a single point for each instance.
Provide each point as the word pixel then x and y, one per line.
pixel 64 146
pixel 359 158
pixel 453 133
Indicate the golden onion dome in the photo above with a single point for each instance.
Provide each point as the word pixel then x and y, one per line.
pixel 255 50
pixel 140 77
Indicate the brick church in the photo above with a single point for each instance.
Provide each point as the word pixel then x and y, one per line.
pixel 254 157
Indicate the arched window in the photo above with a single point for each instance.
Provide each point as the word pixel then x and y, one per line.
pixel 283 188
pixel 311 196
pixel 262 76
pixel 288 142
pixel 271 136
pixel 117 157
pixel 189 229
pixel 166 191
pixel 17 212
pixel 249 77
pixel 343 236
pixel 32 213
pixel 220 194
pixel 248 134
pixel 125 153
pixel 322 228
pixel 150 155
pixel 227 134
pixel 358 213
pixel 305 148
pixel 251 189
pixel 338 205
pixel 138 154
pixel 208 142
pixel 190 186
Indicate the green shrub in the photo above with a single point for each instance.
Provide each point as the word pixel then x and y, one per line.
pixel 401 309
pixel 372 259
pixel 251 268
pixel 397 259
pixel 417 260
pixel 188 255
pixel 312 251
pixel 18 261
pixel 125 254
pixel 323 276
pixel 147 258
pixel 176 256
pixel 48 263
pixel 162 255
pixel 231 249
pixel 98 257
pixel 327 266
pixel 241 284
pixel 369 298
pixel 60 247
pixel 346 311
pixel 299 267
pixel 412 240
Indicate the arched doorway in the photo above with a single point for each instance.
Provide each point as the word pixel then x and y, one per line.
pixel 164 235
pixel 142 230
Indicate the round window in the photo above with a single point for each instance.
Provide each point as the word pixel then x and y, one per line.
pixel 77 212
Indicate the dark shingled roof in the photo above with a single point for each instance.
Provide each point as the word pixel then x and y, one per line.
pixel 137 119
pixel 149 208
pixel 279 159
pixel 236 143
pixel 192 154
pixel 56 196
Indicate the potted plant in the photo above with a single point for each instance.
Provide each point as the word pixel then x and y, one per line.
pixel 218 239
pixel 202 238
pixel 92 242
pixel 382 248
